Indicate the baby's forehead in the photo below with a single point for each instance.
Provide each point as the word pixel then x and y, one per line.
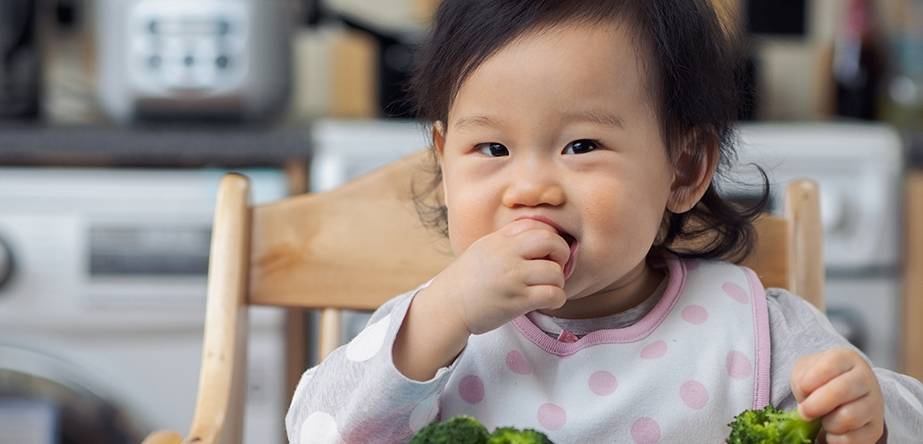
pixel 588 71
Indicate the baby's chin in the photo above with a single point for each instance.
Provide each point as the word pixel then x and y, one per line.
pixel 576 288
pixel 584 283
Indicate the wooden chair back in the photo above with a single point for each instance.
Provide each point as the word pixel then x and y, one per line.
pixel 356 246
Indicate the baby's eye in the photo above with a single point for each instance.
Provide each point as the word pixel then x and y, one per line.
pixel 492 149
pixel 581 146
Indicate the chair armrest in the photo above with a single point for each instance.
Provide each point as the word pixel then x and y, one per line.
pixel 163 437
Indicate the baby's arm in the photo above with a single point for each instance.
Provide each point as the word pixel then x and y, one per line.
pixel 799 330
pixel 430 337
pixel 357 395
pixel 384 385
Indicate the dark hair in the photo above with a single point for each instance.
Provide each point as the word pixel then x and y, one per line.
pixel 694 71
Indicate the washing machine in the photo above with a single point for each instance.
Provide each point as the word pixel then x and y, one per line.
pixel 102 305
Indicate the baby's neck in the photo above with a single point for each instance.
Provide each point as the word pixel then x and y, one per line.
pixel 628 292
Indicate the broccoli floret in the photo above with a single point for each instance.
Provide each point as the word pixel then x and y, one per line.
pixel 460 430
pixel 468 430
pixel 772 426
pixel 510 435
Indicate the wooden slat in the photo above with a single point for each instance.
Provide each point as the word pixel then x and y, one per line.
pixel 297 322
pixel 362 242
pixel 330 328
pixel 802 208
pixel 219 405
pixel 912 307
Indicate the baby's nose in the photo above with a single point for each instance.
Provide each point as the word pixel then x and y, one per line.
pixel 532 190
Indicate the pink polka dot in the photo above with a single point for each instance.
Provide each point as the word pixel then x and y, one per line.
pixel 694 394
pixel 738 365
pixel 735 292
pixel 695 314
pixel 471 389
pixel 602 383
pixel 369 429
pixel 518 363
pixel 654 350
pixel 645 431
pixel 551 416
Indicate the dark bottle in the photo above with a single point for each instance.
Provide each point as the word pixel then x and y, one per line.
pixel 858 63
pixel 20 78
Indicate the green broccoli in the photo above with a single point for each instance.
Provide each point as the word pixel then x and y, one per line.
pixel 460 429
pixel 510 435
pixel 468 430
pixel 772 426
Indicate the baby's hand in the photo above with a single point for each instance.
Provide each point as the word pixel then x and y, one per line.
pixel 505 274
pixel 840 387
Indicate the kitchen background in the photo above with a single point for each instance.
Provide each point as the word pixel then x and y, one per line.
pixel 118 117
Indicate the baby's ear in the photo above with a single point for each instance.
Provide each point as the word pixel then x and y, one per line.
pixel 439 147
pixel 693 168
pixel 438 137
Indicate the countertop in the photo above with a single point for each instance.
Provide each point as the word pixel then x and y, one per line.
pixel 161 145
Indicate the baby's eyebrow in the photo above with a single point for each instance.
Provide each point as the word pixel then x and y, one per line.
pixel 603 118
pixel 472 121
pixel 598 117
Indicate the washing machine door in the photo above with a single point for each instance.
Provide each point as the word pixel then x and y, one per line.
pixel 45 400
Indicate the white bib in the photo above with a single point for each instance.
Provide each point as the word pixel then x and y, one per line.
pixel 680 374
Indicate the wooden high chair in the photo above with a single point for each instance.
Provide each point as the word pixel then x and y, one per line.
pixel 359 245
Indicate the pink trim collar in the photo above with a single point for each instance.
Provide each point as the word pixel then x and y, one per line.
pixel 633 333
pixel 761 388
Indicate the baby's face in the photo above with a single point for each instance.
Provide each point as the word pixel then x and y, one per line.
pixel 560 124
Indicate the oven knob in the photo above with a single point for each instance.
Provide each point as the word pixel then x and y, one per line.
pixel 6 263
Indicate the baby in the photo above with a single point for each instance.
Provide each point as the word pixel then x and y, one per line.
pixel 576 141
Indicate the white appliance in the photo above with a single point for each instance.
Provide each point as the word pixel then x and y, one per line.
pixel 859 170
pixel 858 167
pixel 102 304
pixel 212 58
pixel 346 149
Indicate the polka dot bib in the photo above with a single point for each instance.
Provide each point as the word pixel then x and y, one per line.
pixel 679 374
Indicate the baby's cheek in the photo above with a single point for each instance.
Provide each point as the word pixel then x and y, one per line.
pixel 626 222
pixel 624 238
pixel 465 227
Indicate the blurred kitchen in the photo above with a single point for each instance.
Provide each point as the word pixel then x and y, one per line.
pixel 118 117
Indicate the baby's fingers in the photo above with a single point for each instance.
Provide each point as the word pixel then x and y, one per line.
pixel 851 416
pixel 545 297
pixel 813 371
pixel 842 390
pixel 541 272
pixel 869 433
pixel 543 243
